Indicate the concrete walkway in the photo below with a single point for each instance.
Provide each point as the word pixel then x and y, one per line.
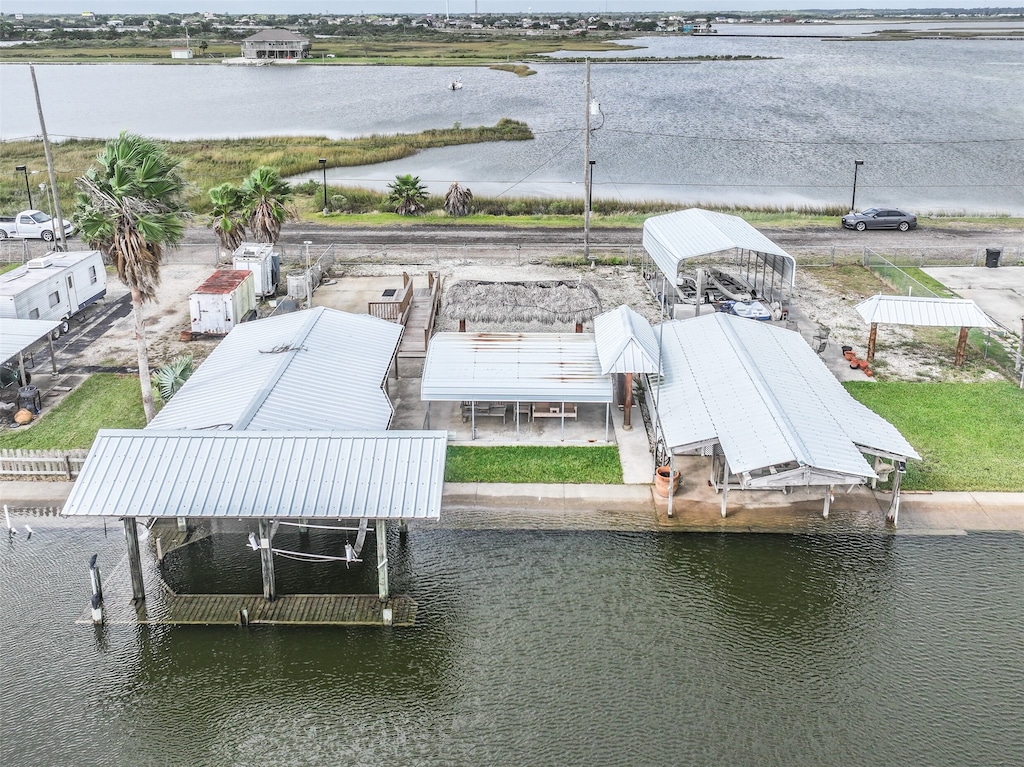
pixel 695 509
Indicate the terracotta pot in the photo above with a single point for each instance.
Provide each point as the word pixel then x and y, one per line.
pixel 661 481
pixel 849 354
pixel 862 364
pixel 854 363
pixel 867 372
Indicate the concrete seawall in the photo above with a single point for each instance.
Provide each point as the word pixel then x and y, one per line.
pixel 634 507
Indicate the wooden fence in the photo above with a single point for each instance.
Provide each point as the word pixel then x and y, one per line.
pixel 42 463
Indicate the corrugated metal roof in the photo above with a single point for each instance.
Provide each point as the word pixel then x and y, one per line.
pixel 933 312
pixel 625 342
pixel 18 335
pixel 275 35
pixel 223 281
pixel 675 237
pixel 389 475
pixel 514 367
pixel 315 369
pixel 762 393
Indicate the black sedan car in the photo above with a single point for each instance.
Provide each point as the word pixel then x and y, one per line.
pixel 880 218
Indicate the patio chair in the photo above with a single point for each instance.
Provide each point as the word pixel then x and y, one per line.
pixel 820 340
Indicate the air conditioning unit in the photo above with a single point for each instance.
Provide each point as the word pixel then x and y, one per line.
pixel 43 262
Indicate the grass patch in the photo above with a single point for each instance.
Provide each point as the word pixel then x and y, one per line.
pixel 103 401
pixel 970 436
pixel 526 464
pixel 927 281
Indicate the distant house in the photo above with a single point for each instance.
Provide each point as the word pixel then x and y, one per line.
pixel 275 44
pixel 181 53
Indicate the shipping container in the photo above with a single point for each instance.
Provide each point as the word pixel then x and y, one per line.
pixel 226 298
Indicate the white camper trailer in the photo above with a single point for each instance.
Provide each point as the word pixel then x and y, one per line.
pixel 56 286
pixel 226 298
pixel 265 264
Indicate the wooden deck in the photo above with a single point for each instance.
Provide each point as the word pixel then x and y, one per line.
pixel 419 323
pixel 226 610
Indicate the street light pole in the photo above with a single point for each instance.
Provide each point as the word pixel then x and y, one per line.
pixel 853 202
pixel 323 167
pixel 590 205
pixel 28 189
pixel 309 277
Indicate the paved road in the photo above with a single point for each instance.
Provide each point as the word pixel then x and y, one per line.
pixel 295 234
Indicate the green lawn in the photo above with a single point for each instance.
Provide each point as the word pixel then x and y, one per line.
pixel 523 463
pixel 971 436
pixel 104 401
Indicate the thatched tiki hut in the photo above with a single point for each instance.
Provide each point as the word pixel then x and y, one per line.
pixel 546 301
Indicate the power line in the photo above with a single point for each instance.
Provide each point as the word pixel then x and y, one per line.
pixel 815 143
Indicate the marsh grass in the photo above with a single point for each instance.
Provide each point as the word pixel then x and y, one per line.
pixel 969 435
pixel 207 163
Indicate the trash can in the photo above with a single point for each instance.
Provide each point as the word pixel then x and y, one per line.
pixel 29 399
pixel 992 257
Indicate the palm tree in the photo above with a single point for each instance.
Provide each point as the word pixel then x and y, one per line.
pixel 131 207
pixel 407 195
pixel 264 199
pixel 226 216
pixel 173 375
pixel 458 199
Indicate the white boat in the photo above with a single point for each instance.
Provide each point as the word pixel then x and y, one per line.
pixel 455 85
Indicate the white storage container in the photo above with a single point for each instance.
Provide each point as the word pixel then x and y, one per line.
pixel 265 264
pixel 226 298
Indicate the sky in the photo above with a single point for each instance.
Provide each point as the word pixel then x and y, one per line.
pixel 241 7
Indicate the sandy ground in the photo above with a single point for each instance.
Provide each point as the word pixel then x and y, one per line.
pixel 901 353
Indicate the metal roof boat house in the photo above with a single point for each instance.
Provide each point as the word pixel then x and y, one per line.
pixel 768 411
pixel 286 423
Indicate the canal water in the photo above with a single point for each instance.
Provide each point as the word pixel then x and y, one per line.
pixel 540 648
pixel 937 123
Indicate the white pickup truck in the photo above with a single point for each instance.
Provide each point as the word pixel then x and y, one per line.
pixel 32 225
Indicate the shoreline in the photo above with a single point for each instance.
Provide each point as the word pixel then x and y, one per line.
pixel 635 508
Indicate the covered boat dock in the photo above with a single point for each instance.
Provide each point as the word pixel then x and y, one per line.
pixel 265 479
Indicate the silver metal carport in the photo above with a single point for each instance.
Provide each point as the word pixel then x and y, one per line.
pixel 262 476
pixel 514 367
pixel 20 335
pixel 672 238
pixel 763 399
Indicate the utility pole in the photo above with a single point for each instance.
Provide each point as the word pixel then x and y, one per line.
pixel 586 166
pixel 59 222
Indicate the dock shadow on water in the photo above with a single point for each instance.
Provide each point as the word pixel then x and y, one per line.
pixel 535 647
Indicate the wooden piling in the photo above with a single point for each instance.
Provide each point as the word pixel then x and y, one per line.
pixel 134 559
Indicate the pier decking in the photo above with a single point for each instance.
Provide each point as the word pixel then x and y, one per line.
pixel 227 610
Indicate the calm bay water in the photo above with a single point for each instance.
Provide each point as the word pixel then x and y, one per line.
pixel 539 648
pixel 938 123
